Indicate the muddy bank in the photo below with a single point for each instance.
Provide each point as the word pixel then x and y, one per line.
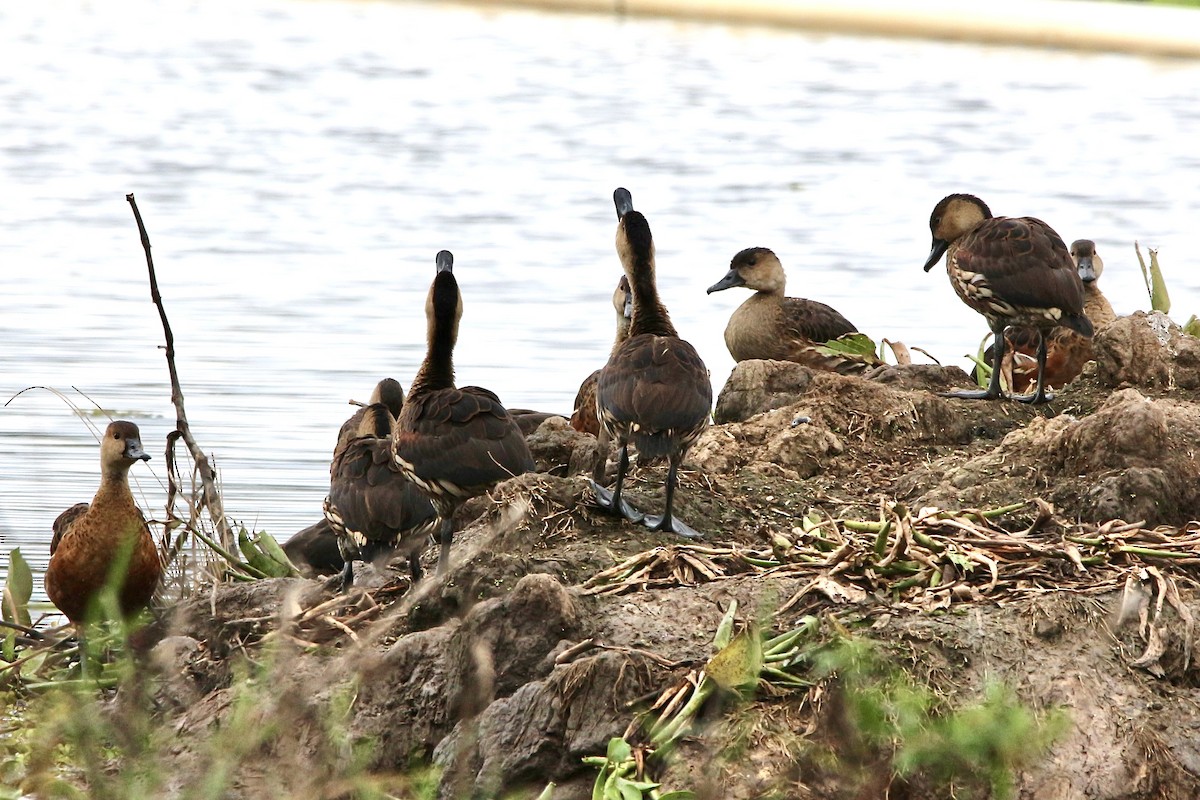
pixel 865 503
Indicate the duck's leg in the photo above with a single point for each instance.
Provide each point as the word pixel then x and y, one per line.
pixel 414 567
pixel 445 537
pixel 993 390
pixel 347 575
pixel 1039 393
pixel 612 501
pixel 667 522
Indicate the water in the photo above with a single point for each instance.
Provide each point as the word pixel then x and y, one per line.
pixel 299 163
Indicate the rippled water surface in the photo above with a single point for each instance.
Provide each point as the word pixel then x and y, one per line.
pixel 299 163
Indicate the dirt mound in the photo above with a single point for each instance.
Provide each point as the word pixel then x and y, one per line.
pixel 869 503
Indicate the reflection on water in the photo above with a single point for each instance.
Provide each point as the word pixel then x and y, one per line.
pixel 298 164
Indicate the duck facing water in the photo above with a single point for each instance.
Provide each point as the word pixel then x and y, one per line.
pixel 372 509
pixel 772 325
pixel 1013 271
pixel 453 443
pixel 654 392
pixel 89 539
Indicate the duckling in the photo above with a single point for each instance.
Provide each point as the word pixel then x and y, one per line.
pixel 1013 271
pixel 654 391
pixel 771 325
pixel 583 418
pixel 453 443
pixel 372 508
pixel 1066 350
pixel 89 539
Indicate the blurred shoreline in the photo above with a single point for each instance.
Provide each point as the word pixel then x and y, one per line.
pixel 1138 28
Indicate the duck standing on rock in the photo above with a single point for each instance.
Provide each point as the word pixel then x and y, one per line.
pixel 91 540
pixel 773 326
pixel 583 418
pixel 1013 271
pixel 372 509
pixel 453 443
pixel 654 391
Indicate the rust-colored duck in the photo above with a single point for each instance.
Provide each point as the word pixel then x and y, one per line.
pixel 372 509
pixel 583 418
pixel 90 540
pixel 453 443
pixel 654 392
pixel 772 325
pixel 1013 271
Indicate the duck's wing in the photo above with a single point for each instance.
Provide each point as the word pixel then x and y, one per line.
pixel 462 436
pixel 1024 262
pixel 62 524
pixel 658 383
pixel 813 320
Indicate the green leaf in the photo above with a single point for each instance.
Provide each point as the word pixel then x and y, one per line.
pixel 725 628
pixel 18 588
pixel 682 794
pixel 1159 299
pixel 1192 326
pixel 252 549
pixel 548 792
pixel 858 345
pixel 619 750
pixel 273 551
pixel 737 667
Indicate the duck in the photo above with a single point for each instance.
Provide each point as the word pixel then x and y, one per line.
pixel 654 392
pixel 1066 350
pixel 315 550
pixel 453 443
pixel 1013 271
pixel 583 418
pixel 89 539
pixel 771 325
pixel 373 510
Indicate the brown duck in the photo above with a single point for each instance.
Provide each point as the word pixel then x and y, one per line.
pixel 453 443
pixel 1066 350
pixel 771 325
pixel 89 540
pixel 583 418
pixel 1013 271
pixel 373 510
pixel 654 392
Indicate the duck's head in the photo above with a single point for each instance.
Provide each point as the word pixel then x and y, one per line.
pixel 389 392
pixel 955 216
pixel 622 301
pixel 443 306
pixel 635 244
pixel 756 268
pixel 122 445
pixel 375 422
pixel 1087 260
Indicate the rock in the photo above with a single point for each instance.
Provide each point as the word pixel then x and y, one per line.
pixel 559 449
pixel 1147 350
pixel 756 386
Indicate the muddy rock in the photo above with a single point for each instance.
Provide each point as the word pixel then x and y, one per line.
pixel 1133 459
pixel 1147 350
pixel 559 449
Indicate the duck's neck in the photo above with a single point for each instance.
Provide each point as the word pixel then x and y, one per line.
pixel 437 370
pixel 114 483
pixel 649 314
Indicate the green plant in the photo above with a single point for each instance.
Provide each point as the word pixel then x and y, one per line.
pixel 1155 285
pixel 905 724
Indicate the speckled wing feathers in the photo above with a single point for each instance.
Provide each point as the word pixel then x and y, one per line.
pixel 371 497
pixel 463 437
pixel 1011 251
pixel 62 524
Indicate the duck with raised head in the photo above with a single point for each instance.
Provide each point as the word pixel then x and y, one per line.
pixel 1066 350
pixel 583 418
pixel 453 443
pixel 1013 271
pixel 771 325
pixel 654 392
pixel 372 509
pixel 89 540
